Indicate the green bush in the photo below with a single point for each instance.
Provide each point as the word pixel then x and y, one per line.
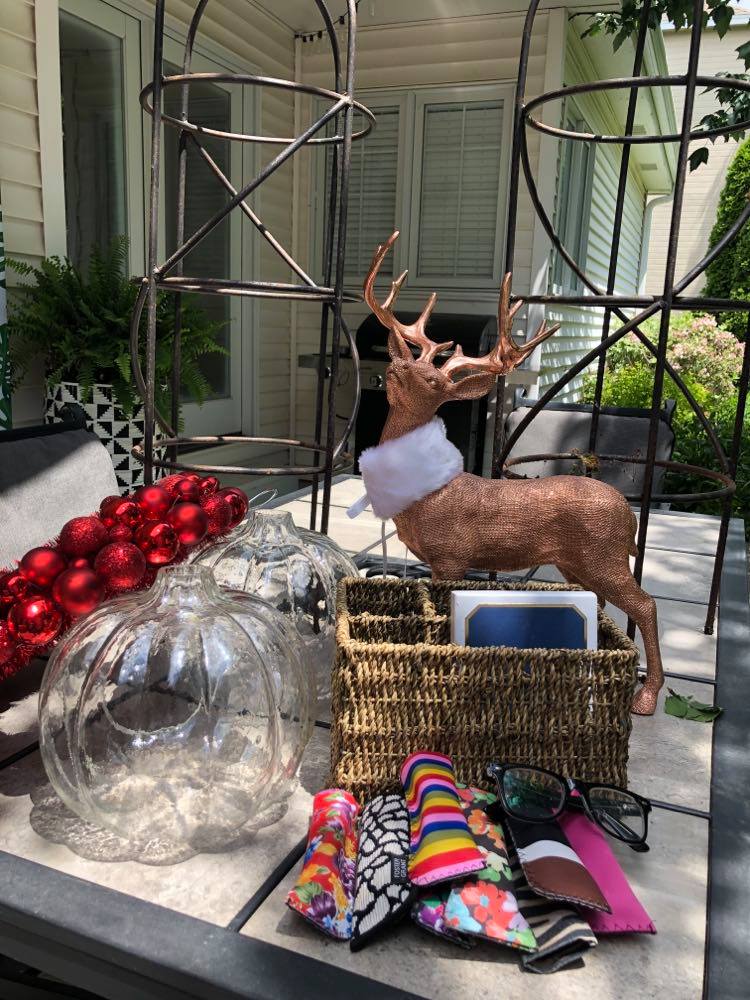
pixel 80 326
pixel 698 349
pixel 728 277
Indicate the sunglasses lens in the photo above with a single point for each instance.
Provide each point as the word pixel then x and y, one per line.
pixel 618 813
pixel 531 794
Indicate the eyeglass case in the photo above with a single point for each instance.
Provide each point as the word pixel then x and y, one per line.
pixel 428 912
pixel 563 937
pixel 384 889
pixel 442 847
pixel 484 903
pixel 551 866
pixel 590 843
pixel 324 891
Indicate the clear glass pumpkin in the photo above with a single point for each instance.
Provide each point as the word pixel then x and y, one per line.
pixel 179 715
pixel 296 571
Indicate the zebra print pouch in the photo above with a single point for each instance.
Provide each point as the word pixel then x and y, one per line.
pixel 383 890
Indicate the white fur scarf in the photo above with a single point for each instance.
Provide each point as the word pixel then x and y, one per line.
pixel 397 473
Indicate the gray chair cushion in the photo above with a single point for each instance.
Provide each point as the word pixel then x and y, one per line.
pixel 44 481
pixel 563 430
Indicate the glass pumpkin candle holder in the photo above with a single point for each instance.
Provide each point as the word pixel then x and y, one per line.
pixel 180 715
pixel 296 571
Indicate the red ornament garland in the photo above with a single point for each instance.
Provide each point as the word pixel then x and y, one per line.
pixel 118 549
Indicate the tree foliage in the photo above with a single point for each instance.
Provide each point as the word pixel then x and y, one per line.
pixel 80 326
pixel 728 277
pixel 733 106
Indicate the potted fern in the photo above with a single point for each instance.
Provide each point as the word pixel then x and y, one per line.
pixel 79 324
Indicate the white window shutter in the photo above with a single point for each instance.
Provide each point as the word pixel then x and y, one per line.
pixel 460 185
pixel 371 216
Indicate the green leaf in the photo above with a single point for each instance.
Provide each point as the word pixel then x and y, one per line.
pixel 686 707
pixel 697 157
pixel 722 15
pixel 743 51
pixel 308 891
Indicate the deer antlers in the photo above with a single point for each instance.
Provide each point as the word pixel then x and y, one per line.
pixel 413 333
pixel 504 356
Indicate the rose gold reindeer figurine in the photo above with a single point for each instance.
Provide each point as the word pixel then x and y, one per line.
pixel 583 527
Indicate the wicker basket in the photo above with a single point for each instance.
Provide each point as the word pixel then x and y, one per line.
pixel 400 685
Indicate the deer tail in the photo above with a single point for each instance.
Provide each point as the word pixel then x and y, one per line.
pixel 632 547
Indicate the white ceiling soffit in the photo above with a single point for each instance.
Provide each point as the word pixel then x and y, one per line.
pixel 302 15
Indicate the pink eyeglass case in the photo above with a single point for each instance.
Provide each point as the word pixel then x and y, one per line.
pixel 590 844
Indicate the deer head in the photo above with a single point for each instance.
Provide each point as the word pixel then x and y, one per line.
pixel 417 385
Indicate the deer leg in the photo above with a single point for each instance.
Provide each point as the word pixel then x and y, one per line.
pixel 621 589
pixel 447 570
pixel 570 578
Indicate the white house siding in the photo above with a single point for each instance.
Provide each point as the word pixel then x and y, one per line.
pixel 20 166
pixel 703 186
pixel 254 38
pixel 433 53
pixel 581 327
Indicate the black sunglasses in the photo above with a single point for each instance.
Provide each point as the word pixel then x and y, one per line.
pixel 536 795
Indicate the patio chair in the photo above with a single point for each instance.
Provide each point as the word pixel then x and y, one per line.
pixel 48 474
pixel 564 427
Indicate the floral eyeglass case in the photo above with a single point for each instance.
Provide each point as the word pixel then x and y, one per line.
pixel 484 903
pixel 324 892
pixel 428 912
pixel 384 889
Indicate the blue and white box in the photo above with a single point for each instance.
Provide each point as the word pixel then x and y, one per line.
pixel 524 619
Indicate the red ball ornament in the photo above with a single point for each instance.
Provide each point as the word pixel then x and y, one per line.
pixel 35 620
pixel 120 533
pixel 192 476
pixel 119 510
pixel 207 487
pixel 78 591
pixel 80 563
pixel 40 566
pixel 8 645
pixel 238 503
pixel 14 587
pixel 82 535
pixel 153 502
pixel 187 491
pixel 219 515
pixel 158 541
pixel 120 565
pixel 170 482
pixel 107 502
pixel 189 521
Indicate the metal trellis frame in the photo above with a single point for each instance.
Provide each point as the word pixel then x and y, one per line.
pixel 614 305
pixel 329 453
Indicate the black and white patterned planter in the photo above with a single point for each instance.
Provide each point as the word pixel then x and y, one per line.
pixel 105 419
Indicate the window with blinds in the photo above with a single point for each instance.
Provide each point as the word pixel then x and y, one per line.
pixel 373 181
pixel 575 171
pixel 436 168
pixel 460 186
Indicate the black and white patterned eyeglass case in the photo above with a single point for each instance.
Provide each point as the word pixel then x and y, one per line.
pixel 383 892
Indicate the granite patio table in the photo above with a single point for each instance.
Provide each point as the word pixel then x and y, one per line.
pixel 216 926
